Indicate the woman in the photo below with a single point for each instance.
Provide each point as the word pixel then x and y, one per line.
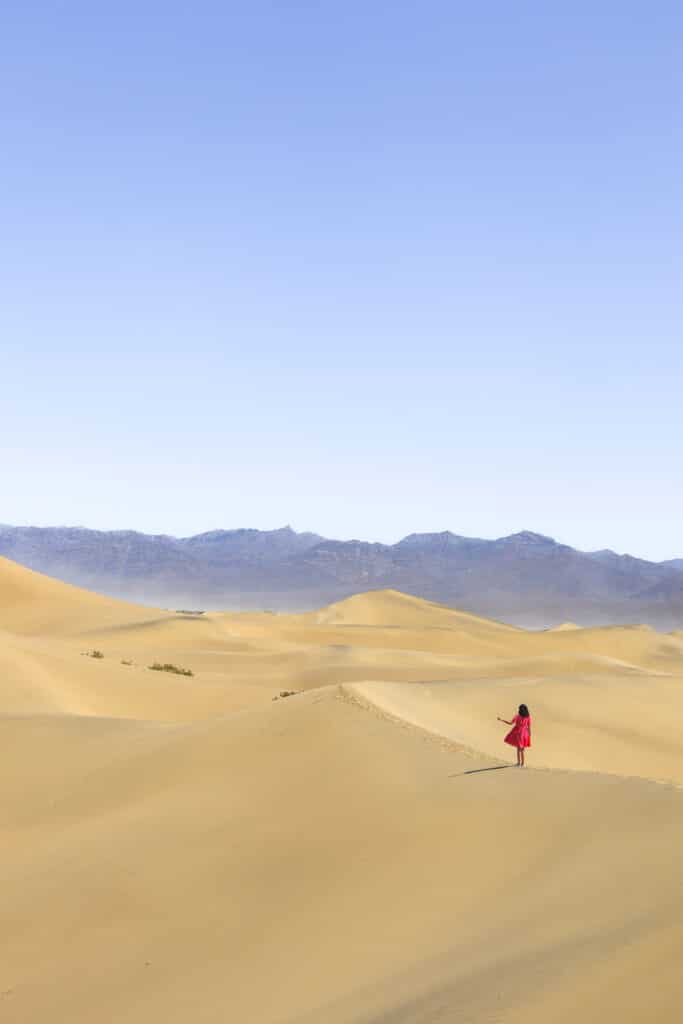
pixel 520 734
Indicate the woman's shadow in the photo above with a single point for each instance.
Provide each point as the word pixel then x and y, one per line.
pixel 475 771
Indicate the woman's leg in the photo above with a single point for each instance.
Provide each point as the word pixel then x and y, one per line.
pixel 521 756
pixel 519 759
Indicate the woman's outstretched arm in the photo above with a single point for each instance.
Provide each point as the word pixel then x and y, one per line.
pixel 506 721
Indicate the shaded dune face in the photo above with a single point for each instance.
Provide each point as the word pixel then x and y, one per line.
pixel 183 849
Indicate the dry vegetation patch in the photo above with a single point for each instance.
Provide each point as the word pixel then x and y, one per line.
pixel 167 667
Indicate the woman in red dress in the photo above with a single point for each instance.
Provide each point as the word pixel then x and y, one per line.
pixel 520 734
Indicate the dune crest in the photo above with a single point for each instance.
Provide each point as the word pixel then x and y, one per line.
pixel 393 608
pixel 31 603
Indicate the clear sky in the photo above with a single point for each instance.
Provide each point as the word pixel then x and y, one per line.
pixel 366 268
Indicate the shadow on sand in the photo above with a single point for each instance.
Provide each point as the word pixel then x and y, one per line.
pixel 475 771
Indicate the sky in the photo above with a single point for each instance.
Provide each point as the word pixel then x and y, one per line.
pixel 362 268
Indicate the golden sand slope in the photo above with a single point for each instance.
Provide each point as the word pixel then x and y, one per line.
pixel 33 604
pixel 315 862
pixel 312 860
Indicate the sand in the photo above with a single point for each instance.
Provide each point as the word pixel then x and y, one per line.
pixel 188 849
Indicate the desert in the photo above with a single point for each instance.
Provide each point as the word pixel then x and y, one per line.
pixel 189 847
pixel 341 573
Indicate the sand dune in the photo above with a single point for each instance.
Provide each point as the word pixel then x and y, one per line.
pixel 181 849
pixel 35 604
pixel 392 608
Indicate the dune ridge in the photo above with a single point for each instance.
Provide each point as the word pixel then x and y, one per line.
pixel 360 853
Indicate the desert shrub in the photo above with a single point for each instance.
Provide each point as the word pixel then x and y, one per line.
pixel 124 662
pixel 188 611
pixel 167 667
pixel 94 654
pixel 285 693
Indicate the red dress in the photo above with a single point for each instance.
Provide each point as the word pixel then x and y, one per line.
pixel 520 733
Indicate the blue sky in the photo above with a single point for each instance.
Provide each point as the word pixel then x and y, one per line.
pixel 364 268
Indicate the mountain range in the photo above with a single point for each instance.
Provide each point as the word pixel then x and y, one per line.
pixel 526 579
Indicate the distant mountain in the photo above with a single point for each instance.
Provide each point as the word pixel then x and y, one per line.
pixel 527 578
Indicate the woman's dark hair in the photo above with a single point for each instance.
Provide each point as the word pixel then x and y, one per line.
pixel 524 711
